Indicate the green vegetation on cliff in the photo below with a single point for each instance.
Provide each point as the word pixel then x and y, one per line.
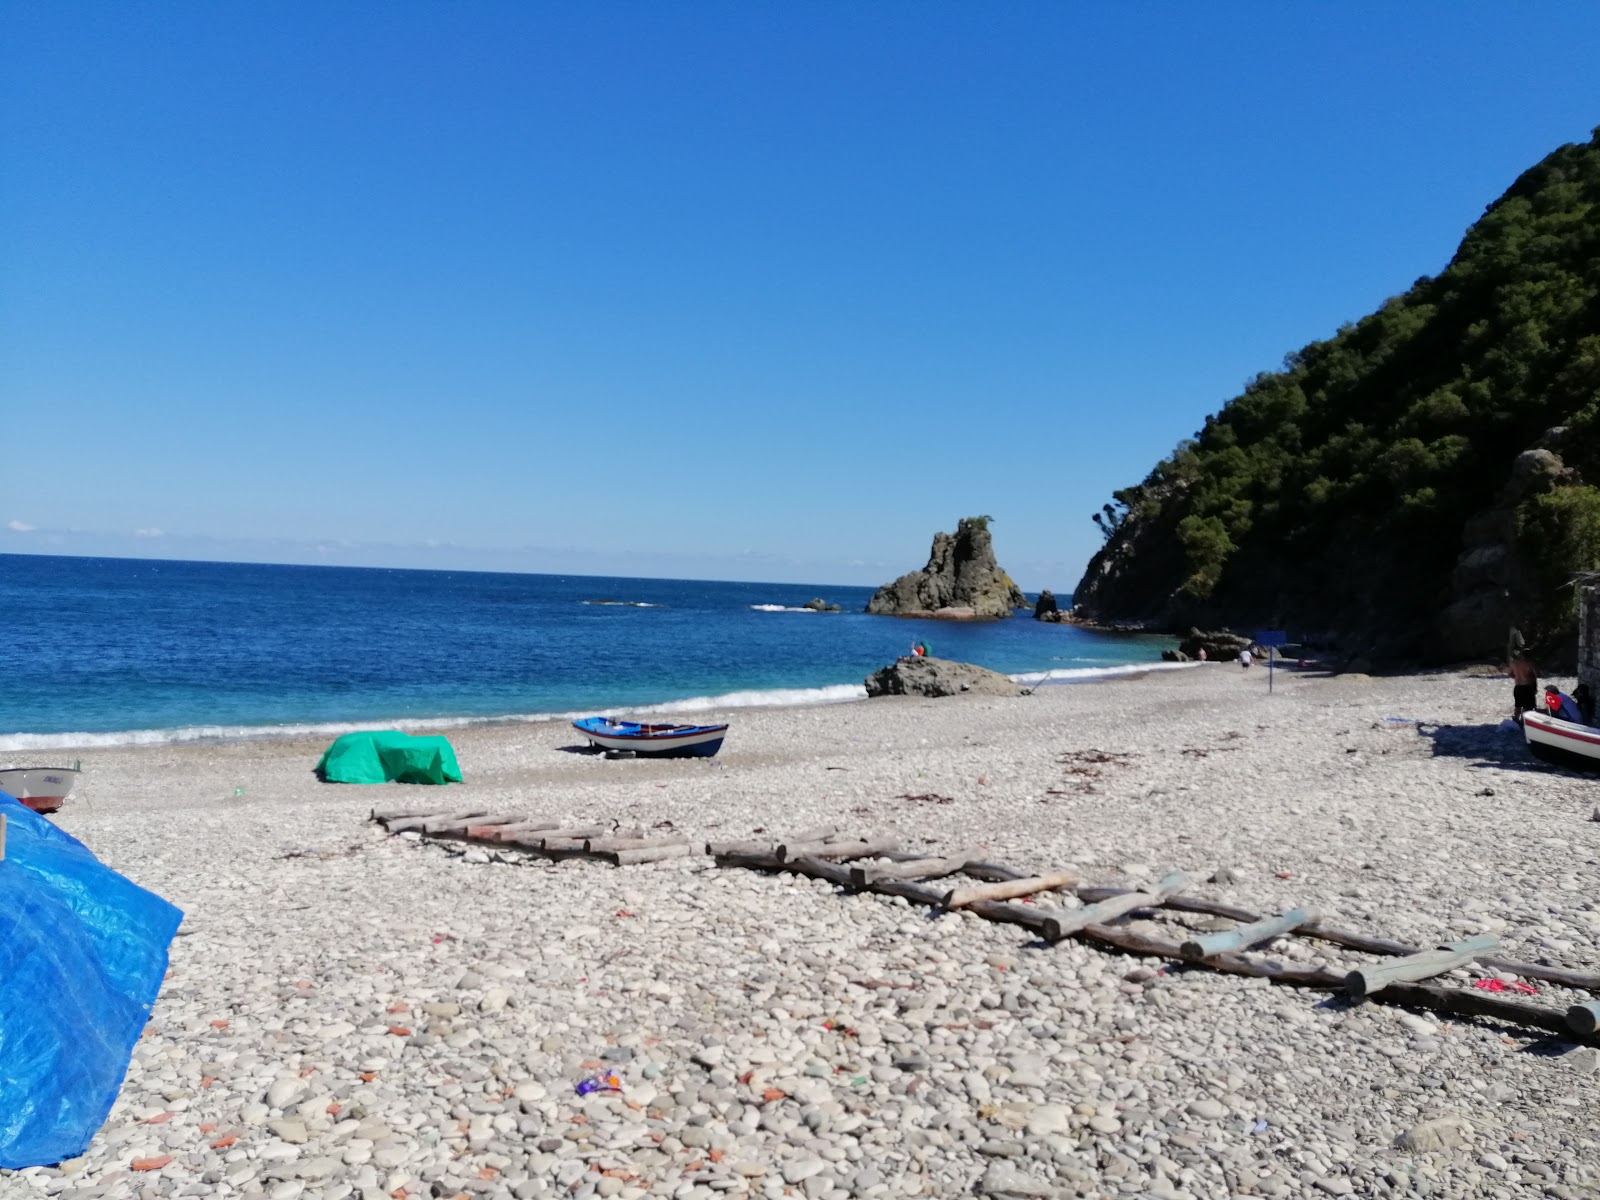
pixel 1379 488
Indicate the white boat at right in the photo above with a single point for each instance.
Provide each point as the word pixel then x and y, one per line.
pixel 1564 742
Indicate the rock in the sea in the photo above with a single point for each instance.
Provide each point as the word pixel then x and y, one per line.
pixel 962 581
pixel 927 676
pixel 820 605
pixel 1045 606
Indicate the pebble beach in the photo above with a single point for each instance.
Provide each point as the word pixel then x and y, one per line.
pixel 354 1014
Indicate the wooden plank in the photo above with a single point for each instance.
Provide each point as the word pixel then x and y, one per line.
pixel 1117 906
pixel 914 868
pixel 726 849
pixel 479 832
pixel 406 824
pixel 462 824
pixel 382 815
pixel 1584 1019
pixel 572 833
pixel 603 845
pixel 962 897
pixel 1374 977
pixel 648 854
pixel 560 845
pixel 2 837
pixel 861 848
pixel 1196 948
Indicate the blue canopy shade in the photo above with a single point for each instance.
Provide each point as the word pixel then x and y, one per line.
pixel 82 955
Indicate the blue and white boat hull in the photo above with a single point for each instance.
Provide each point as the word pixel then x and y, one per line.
pixel 653 741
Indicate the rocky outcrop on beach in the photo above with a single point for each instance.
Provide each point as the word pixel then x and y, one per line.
pixel 1219 645
pixel 922 675
pixel 1046 609
pixel 820 605
pixel 962 581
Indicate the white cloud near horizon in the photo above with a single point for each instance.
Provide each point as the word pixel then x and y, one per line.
pixel 19 527
pixel 148 533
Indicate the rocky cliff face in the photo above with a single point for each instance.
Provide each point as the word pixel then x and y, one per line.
pixel 1494 586
pixel 962 581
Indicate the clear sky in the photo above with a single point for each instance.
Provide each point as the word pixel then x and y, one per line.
pixel 723 290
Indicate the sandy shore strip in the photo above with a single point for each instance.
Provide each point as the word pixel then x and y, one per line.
pixel 352 1014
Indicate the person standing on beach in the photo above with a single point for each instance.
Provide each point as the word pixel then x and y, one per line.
pixel 1244 659
pixel 1524 684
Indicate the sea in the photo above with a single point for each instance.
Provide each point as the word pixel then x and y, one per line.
pixel 113 651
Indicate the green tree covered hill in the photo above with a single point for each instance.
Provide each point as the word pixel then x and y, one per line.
pixel 1416 483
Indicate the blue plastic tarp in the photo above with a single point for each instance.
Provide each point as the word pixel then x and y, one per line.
pixel 82 955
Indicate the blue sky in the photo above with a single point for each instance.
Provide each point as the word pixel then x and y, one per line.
pixel 759 291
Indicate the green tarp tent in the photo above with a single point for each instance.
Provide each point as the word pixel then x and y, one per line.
pixel 388 756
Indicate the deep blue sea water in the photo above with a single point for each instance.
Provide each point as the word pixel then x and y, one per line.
pixel 126 650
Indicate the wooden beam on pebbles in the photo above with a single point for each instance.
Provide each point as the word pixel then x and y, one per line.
pixel 1584 1019
pixel 1074 920
pixel 465 824
pixel 840 850
pixel 1366 943
pixel 912 868
pixel 1197 948
pixel 1468 1002
pixel 964 897
pixel 477 831
pixel 1374 977
pixel 408 824
pixel 917 893
pixel 632 858
pixel 602 845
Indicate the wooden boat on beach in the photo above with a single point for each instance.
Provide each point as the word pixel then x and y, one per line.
pixel 653 741
pixel 43 789
pixel 1566 743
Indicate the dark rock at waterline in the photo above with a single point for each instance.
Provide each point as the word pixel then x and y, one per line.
pixel 962 581
pixel 1046 607
pixel 927 676
pixel 1219 645
pixel 820 605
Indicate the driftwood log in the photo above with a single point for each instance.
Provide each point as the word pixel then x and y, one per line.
pixel 911 868
pixel 1584 1019
pixel 1113 907
pixel 1010 889
pixel 840 850
pixel 406 824
pixel 1242 938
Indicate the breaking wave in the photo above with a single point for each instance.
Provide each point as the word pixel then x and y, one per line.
pixel 779 608
pixel 196 734
pixel 1089 674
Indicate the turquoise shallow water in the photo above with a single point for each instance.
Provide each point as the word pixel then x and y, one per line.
pixel 120 650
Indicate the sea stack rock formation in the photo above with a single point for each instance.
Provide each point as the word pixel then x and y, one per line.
pixel 926 676
pixel 962 581
pixel 1046 609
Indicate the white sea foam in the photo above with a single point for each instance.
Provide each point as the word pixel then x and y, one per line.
pixel 779 608
pixel 1086 674
pixel 621 603
pixel 838 693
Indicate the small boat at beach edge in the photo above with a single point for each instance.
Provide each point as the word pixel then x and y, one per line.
pixel 652 741
pixel 43 789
